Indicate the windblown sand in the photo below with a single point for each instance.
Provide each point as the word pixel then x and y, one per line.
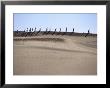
pixel 55 55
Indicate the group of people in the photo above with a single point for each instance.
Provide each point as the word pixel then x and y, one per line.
pixel 31 32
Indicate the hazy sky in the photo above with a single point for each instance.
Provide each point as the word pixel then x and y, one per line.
pixel 80 22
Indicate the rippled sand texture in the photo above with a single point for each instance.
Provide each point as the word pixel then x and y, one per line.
pixel 55 55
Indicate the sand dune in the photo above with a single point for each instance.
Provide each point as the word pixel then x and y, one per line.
pixel 55 55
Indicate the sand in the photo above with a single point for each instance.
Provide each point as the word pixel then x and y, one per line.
pixel 46 55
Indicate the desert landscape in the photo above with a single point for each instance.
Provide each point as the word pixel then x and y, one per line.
pixel 55 54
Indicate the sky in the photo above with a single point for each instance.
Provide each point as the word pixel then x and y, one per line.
pixel 81 22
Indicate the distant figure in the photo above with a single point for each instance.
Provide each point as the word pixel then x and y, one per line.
pixel 54 31
pixel 60 29
pixel 32 29
pixel 29 31
pixel 35 29
pixel 32 32
pixel 17 33
pixel 26 32
pixel 39 31
pixel 87 33
pixel 73 30
pixel 48 31
pixel 66 29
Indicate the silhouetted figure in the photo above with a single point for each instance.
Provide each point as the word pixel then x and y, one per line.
pixel 29 32
pixel 16 33
pixel 32 29
pixel 32 32
pixel 65 31
pixel 26 34
pixel 73 30
pixel 48 31
pixel 35 29
pixel 54 31
pixel 59 31
pixel 87 33
pixel 27 29
pixel 39 31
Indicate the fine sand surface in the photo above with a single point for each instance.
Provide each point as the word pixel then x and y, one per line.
pixel 55 55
